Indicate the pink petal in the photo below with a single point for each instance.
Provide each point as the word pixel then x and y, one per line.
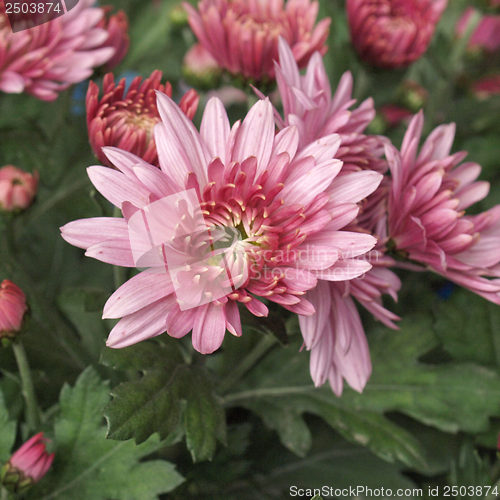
pixel 84 233
pixel 137 293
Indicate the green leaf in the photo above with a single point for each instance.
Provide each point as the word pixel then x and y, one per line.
pixel 467 326
pixel 7 431
pixel 449 396
pixel 87 465
pixel 164 393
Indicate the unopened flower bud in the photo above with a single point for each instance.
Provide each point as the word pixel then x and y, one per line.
pixel 17 188
pixel 27 465
pixel 12 309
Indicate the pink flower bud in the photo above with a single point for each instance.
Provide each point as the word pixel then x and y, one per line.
pixel 27 465
pixel 200 67
pixel 17 188
pixel 12 309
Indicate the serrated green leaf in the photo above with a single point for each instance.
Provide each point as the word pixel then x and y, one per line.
pixel 449 396
pixel 167 393
pixel 87 465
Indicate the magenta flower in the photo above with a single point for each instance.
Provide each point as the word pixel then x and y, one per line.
pixel 309 105
pixel 27 465
pixel 126 119
pixel 12 309
pixel 234 215
pixel 485 36
pixel 47 59
pixel 17 188
pixel 393 33
pixel 243 35
pixel 430 192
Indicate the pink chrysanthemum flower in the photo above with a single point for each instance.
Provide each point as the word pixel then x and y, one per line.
pixel 12 309
pixel 46 59
pixel 242 35
pixel 334 334
pixel 27 465
pixel 308 104
pixel 426 213
pixel 17 188
pixel 126 119
pixel 117 27
pixel 485 36
pixel 393 33
pixel 274 219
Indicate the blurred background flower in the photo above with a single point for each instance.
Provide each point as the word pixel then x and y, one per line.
pixel 242 35
pixel 393 33
pixel 47 59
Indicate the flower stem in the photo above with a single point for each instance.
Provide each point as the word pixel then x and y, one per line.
pixel 5 494
pixel 28 388
pixel 253 356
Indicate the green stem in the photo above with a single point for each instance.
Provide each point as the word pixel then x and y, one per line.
pixel 248 362
pixel 28 388
pixel 235 397
pixel 5 494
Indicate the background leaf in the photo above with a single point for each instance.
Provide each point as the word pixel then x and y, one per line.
pixel 87 465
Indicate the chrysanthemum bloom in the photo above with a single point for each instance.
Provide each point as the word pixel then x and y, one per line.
pixel 309 105
pixel 427 222
pixel 392 33
pixel 27 465
pixel 117 27
pixel 487 86
pixel 17 188
pixel 485 36
pixel 12 309
pixel 242 35
pixel 274 219
pixel 334 334
pixel 126 119
pixel 46 59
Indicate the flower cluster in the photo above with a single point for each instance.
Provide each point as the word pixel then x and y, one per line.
pixel 299 207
